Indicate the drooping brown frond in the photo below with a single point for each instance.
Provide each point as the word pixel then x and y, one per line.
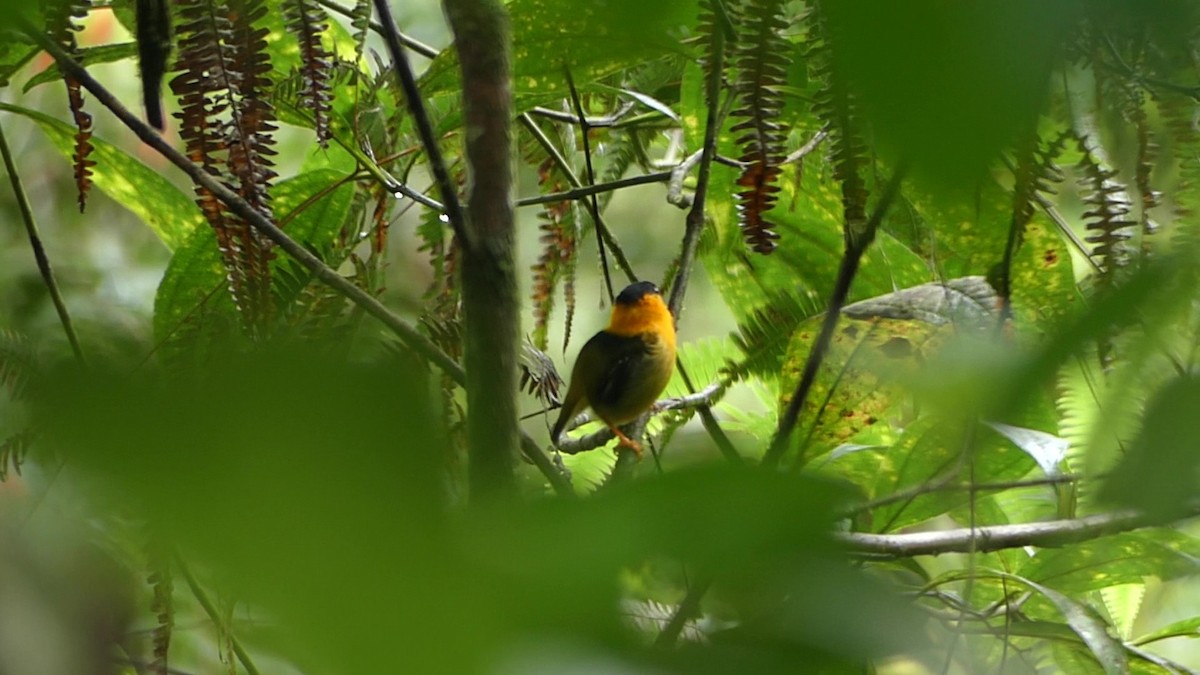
pixel 1107 218
pixel 61 28
pixel 559 241
pixel 226 122
pixel 835 104
pixel 760 55
pixel 248 133
pixel 561 228
pixel 308 21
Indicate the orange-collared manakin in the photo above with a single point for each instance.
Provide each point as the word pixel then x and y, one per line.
pixel 621 371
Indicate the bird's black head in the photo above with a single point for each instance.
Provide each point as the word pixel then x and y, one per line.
pixel 635 292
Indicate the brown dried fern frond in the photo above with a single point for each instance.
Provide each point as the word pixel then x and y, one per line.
pixel 1107 219
pixel 760 56
pixel 226 121
pixel 61 16
pixel 308 21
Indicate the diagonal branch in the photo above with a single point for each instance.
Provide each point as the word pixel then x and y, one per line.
pixel 856 246
pixel 1049 533
pixel 408 82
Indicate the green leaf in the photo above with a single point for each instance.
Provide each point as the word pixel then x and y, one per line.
pixel 14 54
pixel 87 57
pixel 950 115
pixel 932 450
pixel 1084 621
pixel 1166 454
pixel 1124 603
pixel 594 38
pixel 170 213
pixel 964 232
pixel 1115 560
pixel 1185 628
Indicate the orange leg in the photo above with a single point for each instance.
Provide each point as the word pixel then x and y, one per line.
pixel 624 441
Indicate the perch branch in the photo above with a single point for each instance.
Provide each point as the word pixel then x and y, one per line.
pixel 572 446
pixel 1050 533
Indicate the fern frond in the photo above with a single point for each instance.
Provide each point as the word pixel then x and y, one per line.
pixel 18 362
pixel 13 452
pixel 760 56
pixel 1107 218
pixel 226 122
pixel 61 28
pixel 539 376
pixel 764 335
pixel 836 106
pixel 360 21
pixel 308 21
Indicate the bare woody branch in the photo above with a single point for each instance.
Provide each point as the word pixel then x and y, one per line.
pixel 1050 533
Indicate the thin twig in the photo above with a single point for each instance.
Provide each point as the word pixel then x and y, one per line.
pixel 856 246
pixel 39 250
pixel 1051 533
pixel 406 40
pixel 437 165
pixel 945 484
pixel 327 275
pixel 808 147
pixel 211 610
pixel 593 122
pixel 585 133
pixel 586 190
pixel 689 608
pixel 693 227
pixel 572 446
pixel 539 135
pixel 678 175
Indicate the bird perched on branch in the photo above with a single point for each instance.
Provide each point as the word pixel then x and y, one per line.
pixel 621 371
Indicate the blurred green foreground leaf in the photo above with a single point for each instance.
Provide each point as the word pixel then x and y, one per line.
pixel 313 490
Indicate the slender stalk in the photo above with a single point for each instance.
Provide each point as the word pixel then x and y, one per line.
pixel 856 246
pixel 408 83
pixel 585 130
pixel 1051 533
pixel 39 250
pixel 491 306
pixel 584 191
pixel 540 136
pixel 210 609
pixel 406 40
